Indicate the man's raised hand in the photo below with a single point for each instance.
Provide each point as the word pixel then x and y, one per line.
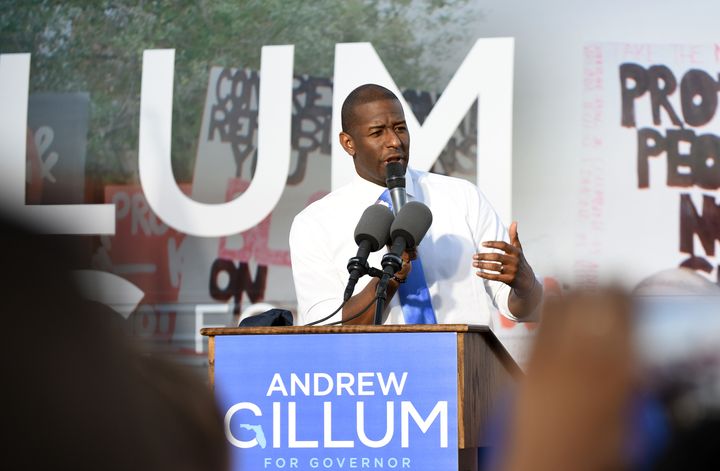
pixel 508 266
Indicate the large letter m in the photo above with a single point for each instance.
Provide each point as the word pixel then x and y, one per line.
pixel 485 75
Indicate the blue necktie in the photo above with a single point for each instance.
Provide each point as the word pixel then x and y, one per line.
pixel 414 294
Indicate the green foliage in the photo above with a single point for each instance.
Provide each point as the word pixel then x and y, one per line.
pixel 96 46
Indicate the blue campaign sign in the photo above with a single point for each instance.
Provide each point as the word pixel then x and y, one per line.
pixel 339 401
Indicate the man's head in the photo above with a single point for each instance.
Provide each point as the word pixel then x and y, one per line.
pixel 374 131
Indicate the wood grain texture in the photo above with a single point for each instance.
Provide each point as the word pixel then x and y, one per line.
pixel 461 389
pixel 485 375
pixel 211 361
pixel 496 346
pixel 343 329
pixel 468 459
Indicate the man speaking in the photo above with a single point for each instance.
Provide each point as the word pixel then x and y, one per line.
pixel 466 266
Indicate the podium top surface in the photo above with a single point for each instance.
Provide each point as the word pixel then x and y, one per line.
pixel 345 329
pixel 483 331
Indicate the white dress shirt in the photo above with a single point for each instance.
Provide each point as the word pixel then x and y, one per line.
pixel 321 242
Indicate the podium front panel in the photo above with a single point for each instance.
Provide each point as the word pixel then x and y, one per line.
pixel 338 401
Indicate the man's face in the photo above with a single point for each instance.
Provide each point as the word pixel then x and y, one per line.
pixel 379 135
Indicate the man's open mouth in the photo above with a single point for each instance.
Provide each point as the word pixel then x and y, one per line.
pixel 394 158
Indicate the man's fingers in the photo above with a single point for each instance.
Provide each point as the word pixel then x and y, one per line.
pixel 513 232
pixel 404 269
pixel 499 244
pixel 494 257
pixel 493 276
pixel 496 267
pixel 513 247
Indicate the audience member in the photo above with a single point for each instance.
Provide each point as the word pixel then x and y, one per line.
pixel 79 394
pixel 582 407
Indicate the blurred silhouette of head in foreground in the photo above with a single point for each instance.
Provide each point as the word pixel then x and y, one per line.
pixel 676 282
pixel 79 394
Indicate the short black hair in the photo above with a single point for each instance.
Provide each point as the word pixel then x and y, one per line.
pixel 363 94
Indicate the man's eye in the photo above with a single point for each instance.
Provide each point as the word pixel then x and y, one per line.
pixel 376 133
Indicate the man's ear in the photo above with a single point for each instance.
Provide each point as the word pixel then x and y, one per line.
pixel 346 141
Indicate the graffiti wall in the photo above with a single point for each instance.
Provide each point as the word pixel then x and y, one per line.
pixel 649 161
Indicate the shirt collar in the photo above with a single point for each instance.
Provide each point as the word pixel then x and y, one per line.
pixel 373 191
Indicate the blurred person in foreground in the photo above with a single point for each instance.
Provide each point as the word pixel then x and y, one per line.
pixel 679 348
pixel 570 409
pixel 583 406
pixel 79 394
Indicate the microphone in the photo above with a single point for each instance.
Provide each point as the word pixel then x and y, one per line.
pixel 406 232
pixel 395 182
pixel 371 233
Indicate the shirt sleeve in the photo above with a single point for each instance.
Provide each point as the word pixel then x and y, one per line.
pixel 317 287
pixel 487 226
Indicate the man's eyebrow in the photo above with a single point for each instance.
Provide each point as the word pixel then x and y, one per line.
pixel 372 126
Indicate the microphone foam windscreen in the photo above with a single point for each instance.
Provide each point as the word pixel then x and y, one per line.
pixel 394 175
pixel 412 223
pixel 374 226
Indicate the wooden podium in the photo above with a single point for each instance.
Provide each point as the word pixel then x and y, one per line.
pixel 483 366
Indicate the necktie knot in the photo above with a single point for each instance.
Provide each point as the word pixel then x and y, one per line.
pixel 386 199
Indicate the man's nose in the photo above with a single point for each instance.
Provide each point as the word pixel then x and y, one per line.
pixel 392 139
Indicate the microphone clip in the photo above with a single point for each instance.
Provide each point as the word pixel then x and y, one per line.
pixel 375 272
pixel 359 265
pixel 392 261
